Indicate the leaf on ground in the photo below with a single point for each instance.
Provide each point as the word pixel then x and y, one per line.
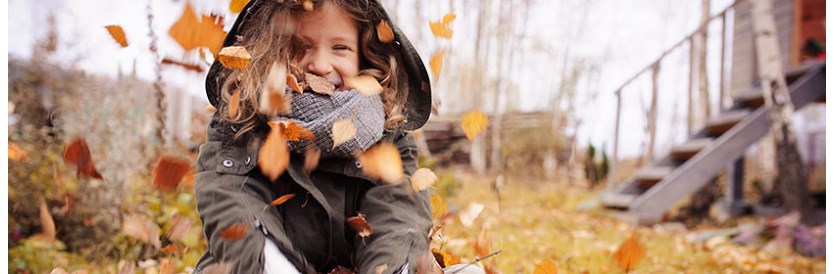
pixel 78 153
pixel 383 161
pixel 169 171
pixel 141 228
pixel 234 57
pixel 295 132
pixel 441 28
pixel 343 131
pixel 118 34
pixel 438 207
pixel 292 81
pixel 236 6
pixel 191 32
pixel 473 123
pixel 311 158
pixel 546 267
pixel 423 179
pixel 17 154
pixel 274 155
pixel 319 84
pixel 360 225
pixel 365 84
pixel 384 32
pixel 234 232
pixel 629 253
pixel 180 225
pixel 436 63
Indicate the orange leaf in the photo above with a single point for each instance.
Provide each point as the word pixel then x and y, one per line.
pixel 319 84
pixel 273 99
pixel 233 232
pixel 441 28
pixel 190 32
pixel 141 228
pixel 438 207
pixel 436 63
pixel 293 82
pixel 191 67
pixel 295 132
pixel 361 226
pixel 171 248
pixel 444 259
pixel 423 179
pixel 210 108
pixel 236 6
pixel 234 57
pixel 384 32
pixel 78 153
pixel 343 131
pixel 16 153
pixel 629 253
pixel 118 34
pixel 546 267
pixel 274 155
pixel 169 171
pixel 481 245
pixel 180 225
pixel 365 84
pixel 311 158
pixel 383 161
pixel 473 123
pixel 282 199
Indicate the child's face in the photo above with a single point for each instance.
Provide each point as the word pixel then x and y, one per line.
pixel 331 42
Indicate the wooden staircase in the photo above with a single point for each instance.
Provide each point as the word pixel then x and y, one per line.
pixel 651 191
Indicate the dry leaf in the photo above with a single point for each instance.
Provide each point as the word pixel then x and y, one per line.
pixel 17 154
pixel 444 259
pixel 234 103
pixel 233 232
pixel 169 171
pixel 423 179
pixel 546 267
pixel 343 131
pixel 234 57
pixel 311 158
pixel 295 132
pixel 293 83
pixel 436 63
pixel 190 32
pixel 118 34
pixel 441 28
pixel 47 223
pixel 308 5
pixel 171 248
pixel 365 84
pixel 360 225
pixel 438 207
pixel 629 253
pixel 319 84
pixel 236 6
pixel 273 100
pixel 383 161
pixel 283 199
pixel 274 155
pixel 191 67
pixel 78 153
pixel 384 32
pixel 473 123
pixel 180 225
pixel 380 268
pixel 276 79
pixel 141 228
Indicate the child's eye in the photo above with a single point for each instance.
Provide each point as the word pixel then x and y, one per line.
pixel 341 47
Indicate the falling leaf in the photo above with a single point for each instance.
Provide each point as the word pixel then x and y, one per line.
pixel 234 57
pixel 191 67
pixel 629 253
pixel 187 181
pixel 438 207
pixel 293 83
pixel 384 32
pixel 473 123
pixel 365 84
pixel 311 158
pixel 423 179
pixel 171 248
pixel 546 267
pixel 383 161
pixel 78 153
pixel 17 154
pixel 444 259
pixel 361 226
pixel 236 6
pixel 169 171
pixel 141 228
pixel 308 5
pixel 343 131
pixel 481 245
pixel 274 155
pixel 180 225
pixel 118 34
pixel 295 132
pixel 436 63
pixel 191 33
pixel 441 28
pixel 319 84
pixel 233 232
pixel 283 199
pixel 468 216
pixel 47 223
pixel 273 100
pixel 234 103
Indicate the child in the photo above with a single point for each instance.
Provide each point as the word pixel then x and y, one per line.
pixel 308 233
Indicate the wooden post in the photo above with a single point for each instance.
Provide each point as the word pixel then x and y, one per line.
pixel 612 179
pixel 652 119
pixel 703 82
pixel 722 80
pixel 689 93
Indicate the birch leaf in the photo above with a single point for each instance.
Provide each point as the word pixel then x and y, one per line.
pixel 118 34
pixel 473 123
pixel 436 63
pixel 441 28
pixel 629 253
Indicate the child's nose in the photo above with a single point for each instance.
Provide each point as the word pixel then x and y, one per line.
pixel 320 65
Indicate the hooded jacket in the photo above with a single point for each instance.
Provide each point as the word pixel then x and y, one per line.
pixel 310 229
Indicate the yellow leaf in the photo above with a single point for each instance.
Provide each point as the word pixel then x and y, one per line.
pixel 118 34
pixel 473 123
pixel 190 32
pixel 235 57
pixel 383 161
pixel 343 131
pixel 441 28
pixel 423 179
pixel 274 155
pixel 436 63
pixel 629 253
pixel 236 6
pixel 365 84
pixel 384 32
pixel 438 207
pixel 234 103
pixel 546 267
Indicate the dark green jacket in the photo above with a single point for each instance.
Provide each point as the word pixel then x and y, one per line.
pixel 309 229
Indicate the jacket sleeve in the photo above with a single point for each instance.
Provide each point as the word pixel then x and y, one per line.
pixel 400 218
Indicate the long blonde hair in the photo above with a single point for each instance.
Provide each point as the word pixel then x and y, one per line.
pixel 269 36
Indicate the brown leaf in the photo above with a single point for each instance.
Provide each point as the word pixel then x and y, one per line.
pixel 191 67
pixel 169 171
pixel 423 179
pixel 78 153
pixel 343 131
pixel 295 132
pixel 47 223
pixel 365 84
pixel 233 232
pixel 141 228
pixel 384 32
pixel 236 6
pixel 629 253
pixel 441 28
pixel 473 123
pixel 311 158
pixel 274 155
pixel 361 226
pixel 190 32
pixel 546 267
pixel 234 57
pixel 293 83
pixel 319 84
pixel 438 207
pixel 383 161
pixel 180 225
pixel 17 154
pixel 280 200
pixel 171 248
pixel 118 34
pixel 436 63
pixel 234 103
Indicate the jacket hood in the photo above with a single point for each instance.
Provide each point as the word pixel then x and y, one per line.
pixel 418 102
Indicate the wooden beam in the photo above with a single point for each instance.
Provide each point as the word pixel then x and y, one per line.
pixel 612 178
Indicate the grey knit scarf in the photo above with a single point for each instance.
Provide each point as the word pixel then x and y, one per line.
pixel 318 112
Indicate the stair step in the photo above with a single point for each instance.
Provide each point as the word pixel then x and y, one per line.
pixel 690 148
pixel 752 99
pixel 725 121
pixel 616 200
pixel 647 177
